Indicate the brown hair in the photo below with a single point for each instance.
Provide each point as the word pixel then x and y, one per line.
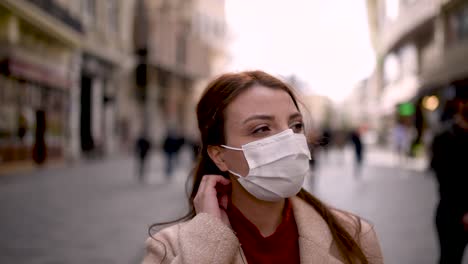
pixel 210 113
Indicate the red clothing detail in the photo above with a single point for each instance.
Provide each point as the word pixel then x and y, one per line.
pixel 280 247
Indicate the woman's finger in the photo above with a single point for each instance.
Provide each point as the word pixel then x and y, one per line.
pixel 201 187
pixel 223 202
pixel 212 180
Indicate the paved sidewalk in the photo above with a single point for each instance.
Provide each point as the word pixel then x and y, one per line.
pixel 92 212
pixel 97 212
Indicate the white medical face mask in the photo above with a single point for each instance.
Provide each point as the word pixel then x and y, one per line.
pixel 277 165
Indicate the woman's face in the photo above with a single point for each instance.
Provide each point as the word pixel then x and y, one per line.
pixel 257 113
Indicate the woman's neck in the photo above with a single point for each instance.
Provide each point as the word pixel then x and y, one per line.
pixel 266 216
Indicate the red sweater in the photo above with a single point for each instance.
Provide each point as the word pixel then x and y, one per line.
pixel 280 247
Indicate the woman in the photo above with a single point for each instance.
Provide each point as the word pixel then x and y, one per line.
pixel 247 204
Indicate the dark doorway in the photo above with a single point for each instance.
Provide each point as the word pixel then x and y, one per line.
pixel 40 148
pixel 87 142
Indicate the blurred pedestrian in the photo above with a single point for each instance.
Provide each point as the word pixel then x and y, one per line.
pixel 171 146
pixel 143 147
pixel 340 138
pixel 22 127
pixel 312 143
pixel 195 145
pixel 247 204
pixel 355 138
pixel 401 141
pixel 325 141
pixel 192 139
pixel 450 164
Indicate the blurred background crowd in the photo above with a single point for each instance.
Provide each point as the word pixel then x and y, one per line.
pixel 94 92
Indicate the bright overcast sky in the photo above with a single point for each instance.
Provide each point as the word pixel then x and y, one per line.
pixel 323 42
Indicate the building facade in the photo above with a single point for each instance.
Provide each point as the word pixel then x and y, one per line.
pixel 61 65
pixel 37 55
pixel 184 48
pixel 107 62
pixel 421 48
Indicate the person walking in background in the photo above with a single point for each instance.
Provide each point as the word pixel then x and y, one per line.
pixel 325 141
pixel 247 204
pixel 340 138
pixel 22 127
pixel 143 147
pixel 313 162
pixel 355 138
pixel 171 146
pixel 401 140
pixel 449 162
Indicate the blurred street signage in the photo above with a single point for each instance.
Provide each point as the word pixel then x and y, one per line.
pixel 406 109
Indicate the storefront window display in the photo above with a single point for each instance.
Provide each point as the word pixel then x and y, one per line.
pixel 19 102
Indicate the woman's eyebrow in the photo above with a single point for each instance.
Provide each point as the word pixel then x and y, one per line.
pixel 262 117
pixel 295 115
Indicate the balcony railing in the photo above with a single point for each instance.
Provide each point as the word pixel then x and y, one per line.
pixel 409 20
pixel 59 13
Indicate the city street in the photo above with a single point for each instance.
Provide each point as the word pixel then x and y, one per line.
pixel 88 87
pixel 97 212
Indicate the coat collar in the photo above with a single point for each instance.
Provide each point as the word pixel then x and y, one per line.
pixel 315 238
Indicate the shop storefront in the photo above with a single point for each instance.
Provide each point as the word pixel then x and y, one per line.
pixel 97 113
pixel 36 66
pixel 30 100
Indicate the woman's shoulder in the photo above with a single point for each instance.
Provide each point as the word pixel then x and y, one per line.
pixel 364 233
pixel 312 225
pixel 190 238
pixel 353 223
pixel 201 223
pixel 163 242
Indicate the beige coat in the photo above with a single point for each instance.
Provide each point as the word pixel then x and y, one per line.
pixel 205 239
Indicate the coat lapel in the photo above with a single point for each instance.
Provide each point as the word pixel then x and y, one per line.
pixel 311 253
pixel 315 238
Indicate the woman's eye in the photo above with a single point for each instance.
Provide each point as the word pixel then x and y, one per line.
pixel 261 130
pixel 297 127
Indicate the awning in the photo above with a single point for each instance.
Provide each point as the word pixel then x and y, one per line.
pixel 34 72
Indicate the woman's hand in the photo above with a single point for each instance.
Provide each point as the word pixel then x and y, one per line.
pixel 209 201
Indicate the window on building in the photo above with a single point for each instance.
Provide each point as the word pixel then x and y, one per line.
pixel 219 29
pixel 181 49
pixel 113 15
pixel 163 77
pixel 457 26
pixel 392 8
pixel 198 26
pixel 408 2
pixel 204 25
pixel 89 10
pixel 75 8
pixel 391 69
pixel 112 9
pixel 409 60
pixel 211 26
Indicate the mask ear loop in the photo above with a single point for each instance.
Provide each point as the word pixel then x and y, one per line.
pixel 232 148
pixel 236 174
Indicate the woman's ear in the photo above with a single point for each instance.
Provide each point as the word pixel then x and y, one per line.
pixel 216 155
